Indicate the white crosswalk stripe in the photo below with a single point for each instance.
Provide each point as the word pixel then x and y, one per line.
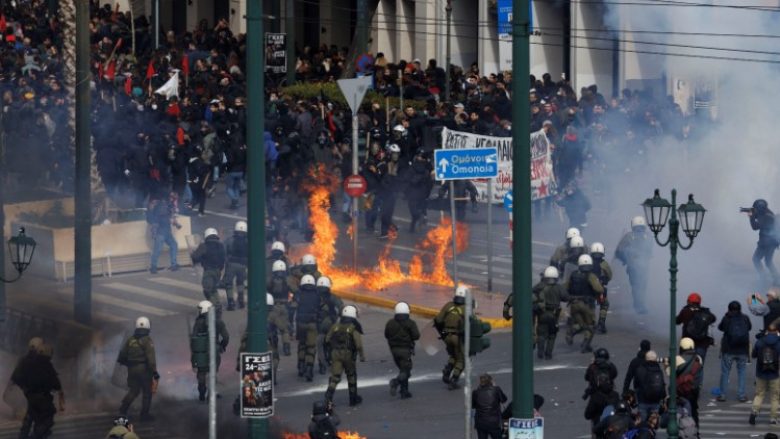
pixel 730 420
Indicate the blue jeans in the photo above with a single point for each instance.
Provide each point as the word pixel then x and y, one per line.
pixel 163 236
pixel 645 409
pixel 725 370
pixel 234 185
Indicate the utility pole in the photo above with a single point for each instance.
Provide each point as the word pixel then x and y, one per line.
pixel 2 215
pixel 289 29
pixel 83 222
pixel 448 61
pixel 257 328
pixel 362 28
pixel 522 326
pixel 156 24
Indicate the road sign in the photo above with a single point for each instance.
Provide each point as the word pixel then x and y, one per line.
pixel 466 164
pixel 508 201
pixel 355 185
pixel 526 428
pixel 354 90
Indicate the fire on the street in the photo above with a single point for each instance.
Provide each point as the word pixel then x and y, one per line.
pixel 341 435
pixel 428 265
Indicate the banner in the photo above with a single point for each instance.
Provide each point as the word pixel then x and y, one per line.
pixel 542 179
pixel 276 53
pixel 257 390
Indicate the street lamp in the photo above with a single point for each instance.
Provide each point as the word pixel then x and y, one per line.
pixel 21 249
pixel 657 211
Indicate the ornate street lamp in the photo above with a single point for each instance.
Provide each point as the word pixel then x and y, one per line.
pixel 657 212
pixel 21 249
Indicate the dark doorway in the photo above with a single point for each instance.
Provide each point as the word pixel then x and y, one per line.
pixel 221 10
pixel 179 22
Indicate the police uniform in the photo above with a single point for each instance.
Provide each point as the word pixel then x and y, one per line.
pixel 138 355
pixel 547 300
pixel 199 348
pixel 271 343
pixel 634 252
pixel 237 249
pixel 345 342
pixel 278 316
pixel 450 324
pixel 401 332
pixel 564 255
pixel 603 272
pixel 584 290
pixel 211 255
pixel 308 306
pixel 328 315
pixel 294 281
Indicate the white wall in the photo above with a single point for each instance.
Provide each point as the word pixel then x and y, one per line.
pixel 547 50
pixel 465 30
pixel 488 39
pixel 404 34
pixel 425 31
pixel 591 62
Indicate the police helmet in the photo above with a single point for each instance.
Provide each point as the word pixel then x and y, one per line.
pixel 319 408
pixel 349 311
pixel 550 273
pixel 204 306
pixel 638 221
pixel 572 232
pixel 584 261
pixel 277 246
pixel 402 308
pixel 399 129
pixel 269 299
pixel 308 280
pixel 687 344
pixel 324 282
pixel 121 421
pixel 393 148
pixel 308 259
pixel 278 266
pixel 240 226
pixel 760 205
pixel 597 248
pixel 577 242
pixel 142 323
pixel 210 232
pixel 460 294
pixel 601 354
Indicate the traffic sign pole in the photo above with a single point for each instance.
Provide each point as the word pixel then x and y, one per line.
pixel 354 200
pixel 489 237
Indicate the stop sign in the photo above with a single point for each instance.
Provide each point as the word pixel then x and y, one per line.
pixel 355 185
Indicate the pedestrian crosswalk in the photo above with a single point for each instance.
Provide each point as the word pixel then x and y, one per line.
pixel 83 426
pixel 730 421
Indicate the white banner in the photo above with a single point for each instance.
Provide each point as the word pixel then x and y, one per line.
pixel 542 178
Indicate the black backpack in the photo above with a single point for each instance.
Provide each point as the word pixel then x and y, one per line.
pixel 737 331
pixel 325 429
pixel 768 359
pixel 653 386
pixel 698 325
pixel 602 380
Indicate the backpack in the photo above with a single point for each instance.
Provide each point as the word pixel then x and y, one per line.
pixel 698 324
pixel 325 429
pixel 602 381
pixel 653 386
pixel 686 381
pixel 737 332
pixel 768 359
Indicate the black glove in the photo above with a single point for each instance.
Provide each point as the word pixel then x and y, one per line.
pixel 156 376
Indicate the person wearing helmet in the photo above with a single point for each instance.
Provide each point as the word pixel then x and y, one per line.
pixel 634 251
pixel 401 333
pixel 603 272
pixel 307 305
pixel 278 317
pixel 389 171
pixel 210 254
pixel 199 345
pixel 237 252
pixel 327 315
pixel 450 325
pixel 324 421
pixel 584 290
pixel 273 343
pixel 122 429
pixel 763 220
pixel 308 265
pixel 766 352
pixel 345 342
pixel 161 216
pixel 696 321
pixel 547 297
pixel 600 376
pixel 138 355
pixel 568 252
pixel 560 253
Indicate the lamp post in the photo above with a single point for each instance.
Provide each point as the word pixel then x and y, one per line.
pixel 657 211
pixel 21 249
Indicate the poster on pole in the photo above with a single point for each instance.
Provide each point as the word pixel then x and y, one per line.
pixel 526 428
pixel 275 53
pixel 257 385
pixel 542 178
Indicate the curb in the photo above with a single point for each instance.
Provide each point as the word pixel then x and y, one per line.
pixel 419 310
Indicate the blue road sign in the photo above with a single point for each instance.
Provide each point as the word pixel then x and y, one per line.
pixel 508 201
pixel 466 164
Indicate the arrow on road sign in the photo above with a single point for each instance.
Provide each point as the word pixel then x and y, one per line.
pixel 443 163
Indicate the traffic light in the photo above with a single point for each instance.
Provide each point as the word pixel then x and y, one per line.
pixel 478 340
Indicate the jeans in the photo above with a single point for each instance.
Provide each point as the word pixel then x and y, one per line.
pixel 164 235
pixel 725 370
pixel 701 351
pixel 234 185
pixel 762 388
pixel 646 408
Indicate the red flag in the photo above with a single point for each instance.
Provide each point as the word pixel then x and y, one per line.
pixel 129 85
pixel 173 110
pixel 3 24
pixel 180 135
pixel 100 71
pixel 150 70
pixel 185 65
pixel 111 71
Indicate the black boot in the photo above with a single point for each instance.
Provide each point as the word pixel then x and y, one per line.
pixel 453 384
pixel 393 387
pixel 323 368
pixel 405 390
pixel 445 374
pixel 286 349
pixel 231 306
pixel 354 398
pixel 301 368
pixel 309 373
pixel 602 327
pixel 202 394
pixel 585 348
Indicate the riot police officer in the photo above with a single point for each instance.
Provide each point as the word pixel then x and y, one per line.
pixel 548 295
pixel 345 343
pixel 584 290
pixel 199 345
pixel 308 265
pixel 278 317
pixel 401 333
pixel 37 378
pixel 634 251
pixel 450 322
pixel 211 255
pixel 763 220
pixel 603 272
pixel 560 254
pixel 327 316
pixel 277 254
pixel 308 305
pixel 237 248
pixel 573 252
pixel 138 355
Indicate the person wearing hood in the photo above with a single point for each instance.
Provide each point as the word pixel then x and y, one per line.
pixel 419 185
pixel 237 252
pixel 401 333
pixel 323 421
pixel 568 157
pixel 211 255
pixel 767 352
pixel 139 357
pixel 644 346
pixel 345 342
pixel 734 348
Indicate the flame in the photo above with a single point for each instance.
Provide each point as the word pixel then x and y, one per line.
pixel 433 251
pixel 341 435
